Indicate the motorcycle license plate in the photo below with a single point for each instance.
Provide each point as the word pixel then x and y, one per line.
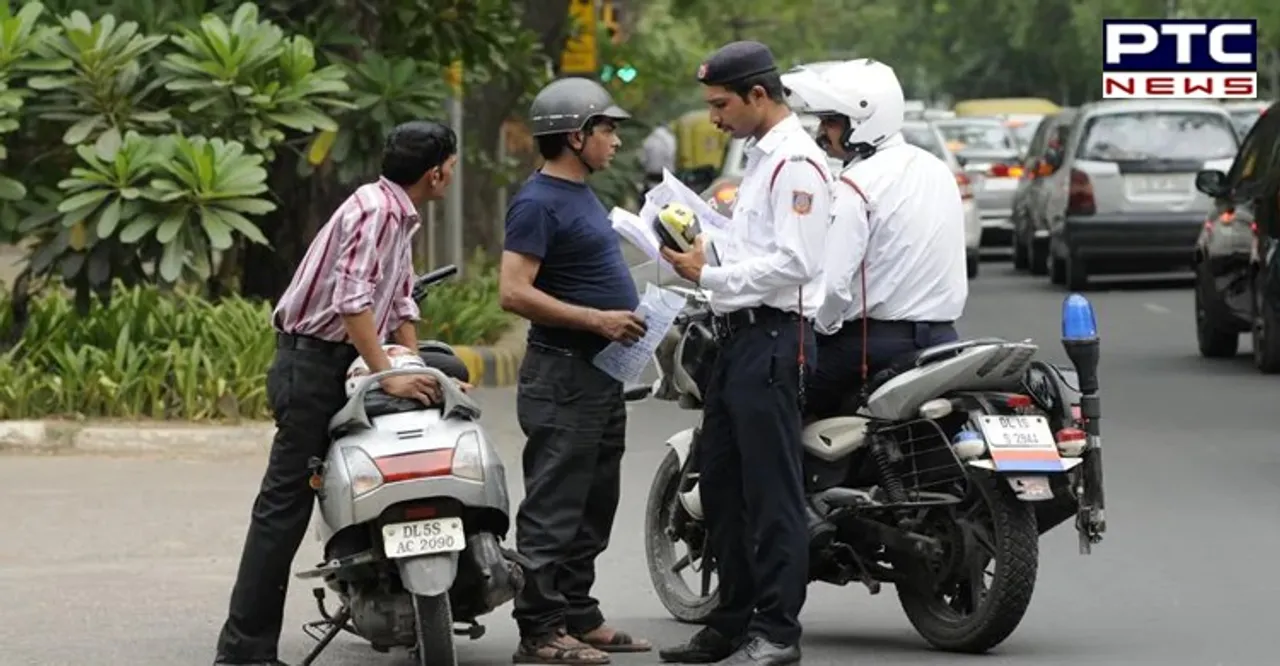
pixel 423 537
pixel 1018 432
pixel 1021 444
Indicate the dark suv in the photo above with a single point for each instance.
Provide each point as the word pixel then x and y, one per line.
pixel 1237 285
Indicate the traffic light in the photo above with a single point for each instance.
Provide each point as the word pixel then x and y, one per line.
pixel 623 73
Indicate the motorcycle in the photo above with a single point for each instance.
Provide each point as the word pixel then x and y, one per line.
pixel 413 507
pixel 939 478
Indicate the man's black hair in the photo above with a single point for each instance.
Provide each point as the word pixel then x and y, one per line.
pixel 551 146
pixel 770 81
pixel 416 147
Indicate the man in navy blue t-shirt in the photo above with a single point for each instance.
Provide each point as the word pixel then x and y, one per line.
pixel 562 270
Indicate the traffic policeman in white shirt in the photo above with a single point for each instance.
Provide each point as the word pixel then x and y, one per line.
pixel 767 285
pixel 894 268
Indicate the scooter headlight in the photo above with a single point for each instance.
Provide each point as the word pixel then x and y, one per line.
pixel 363 472
pixel 468 460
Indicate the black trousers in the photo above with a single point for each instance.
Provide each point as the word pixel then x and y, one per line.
pixel 305 387
pixel 575 419
pixel 752 486
pixel 839 372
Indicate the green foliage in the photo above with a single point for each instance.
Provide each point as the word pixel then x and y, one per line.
pixel 384 93
pixel 466 311
pixel 145 354
pixel 20 33
pixel 168 201
pixel 247 79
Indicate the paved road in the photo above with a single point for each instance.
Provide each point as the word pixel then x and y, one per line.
pixel 118 562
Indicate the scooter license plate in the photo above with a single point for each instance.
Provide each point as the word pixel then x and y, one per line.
pixel 423 537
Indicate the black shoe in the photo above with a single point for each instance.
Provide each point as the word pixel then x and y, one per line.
pixel 708 646
pixel 273 662
pixel 760 652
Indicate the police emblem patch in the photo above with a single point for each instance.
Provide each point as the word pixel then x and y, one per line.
pixel 702 71
pixel 801 202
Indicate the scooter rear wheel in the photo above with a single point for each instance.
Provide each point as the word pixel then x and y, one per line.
pixel 434 617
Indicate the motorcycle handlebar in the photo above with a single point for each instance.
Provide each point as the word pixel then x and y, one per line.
pixel 423 283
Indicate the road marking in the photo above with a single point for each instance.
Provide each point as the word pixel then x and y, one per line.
pixel 1156 308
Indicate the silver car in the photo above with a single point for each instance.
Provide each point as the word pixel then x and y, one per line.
pixel 1122 197
pixel 990 154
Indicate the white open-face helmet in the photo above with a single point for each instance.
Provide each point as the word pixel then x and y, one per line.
pixel 865 91
pixel 401 357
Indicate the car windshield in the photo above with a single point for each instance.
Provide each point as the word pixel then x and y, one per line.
pixel 923 136
pixel 1023 132
pixel 978 136
pixel 1158 135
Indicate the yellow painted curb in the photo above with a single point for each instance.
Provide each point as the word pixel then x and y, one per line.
pixel 490 366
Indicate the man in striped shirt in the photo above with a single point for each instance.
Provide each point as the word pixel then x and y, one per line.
pixel 352 290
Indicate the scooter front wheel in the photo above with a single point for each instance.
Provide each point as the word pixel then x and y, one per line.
pixel 434 617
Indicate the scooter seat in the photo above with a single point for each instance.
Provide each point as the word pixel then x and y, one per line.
pixel 361 408
pixel 378 403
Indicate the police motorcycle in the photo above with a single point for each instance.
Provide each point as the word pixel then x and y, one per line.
pixel 939 478
pixel 413 508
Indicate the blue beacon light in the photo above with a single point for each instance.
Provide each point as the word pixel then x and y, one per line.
pixel 1079 324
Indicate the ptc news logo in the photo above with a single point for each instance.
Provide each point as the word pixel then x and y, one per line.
pixel 1180 58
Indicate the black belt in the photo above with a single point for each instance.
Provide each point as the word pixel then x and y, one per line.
pixel 729 324
pixel 568 352
pixel 310 344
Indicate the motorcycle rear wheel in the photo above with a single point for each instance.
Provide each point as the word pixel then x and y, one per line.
pixel 1013 545
pixel 434 619
pixel 684 603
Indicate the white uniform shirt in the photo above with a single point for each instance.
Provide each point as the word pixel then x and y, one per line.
pixel 910 232
pixel 659 150
pixel 774 244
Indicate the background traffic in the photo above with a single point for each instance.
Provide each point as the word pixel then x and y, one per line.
pixel 1111 188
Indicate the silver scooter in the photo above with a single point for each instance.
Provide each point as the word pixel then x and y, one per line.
pixel 413 507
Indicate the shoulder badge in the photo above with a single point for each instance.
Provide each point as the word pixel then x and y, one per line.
pixel 801 202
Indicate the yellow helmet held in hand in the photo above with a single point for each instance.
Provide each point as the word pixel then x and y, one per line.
pixel 677 227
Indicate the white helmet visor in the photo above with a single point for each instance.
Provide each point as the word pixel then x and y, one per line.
pixel 808 93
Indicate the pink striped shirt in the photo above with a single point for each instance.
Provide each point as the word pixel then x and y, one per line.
pixel 362 259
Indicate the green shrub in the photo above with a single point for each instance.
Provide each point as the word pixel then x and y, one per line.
pixel 147 354
pixel 466 310
pixel 165 355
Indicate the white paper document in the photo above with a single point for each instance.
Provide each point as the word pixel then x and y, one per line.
pixel 626 364
pixel 640 234
pixel 671 189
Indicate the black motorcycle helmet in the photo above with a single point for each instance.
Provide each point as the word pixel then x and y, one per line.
pixel 569 105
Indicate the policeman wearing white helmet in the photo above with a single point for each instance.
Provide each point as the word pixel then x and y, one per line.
pixel 894 269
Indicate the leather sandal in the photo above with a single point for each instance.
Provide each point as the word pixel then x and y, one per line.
pixel 619 641
pixel 558 648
